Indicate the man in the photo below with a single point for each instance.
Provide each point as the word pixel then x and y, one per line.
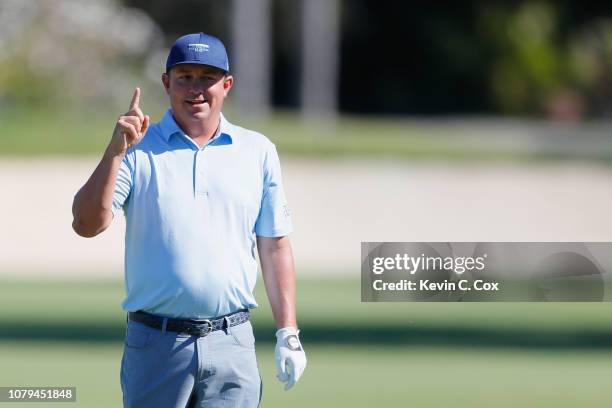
pixel 199 196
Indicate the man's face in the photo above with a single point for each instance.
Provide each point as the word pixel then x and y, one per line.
pixel 196 91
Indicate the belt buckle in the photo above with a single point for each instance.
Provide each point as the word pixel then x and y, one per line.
pixel 197 330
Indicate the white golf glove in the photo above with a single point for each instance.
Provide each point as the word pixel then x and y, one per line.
pixel 289 355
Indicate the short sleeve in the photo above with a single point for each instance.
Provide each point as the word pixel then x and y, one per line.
pixel 274 218
pixel 123 185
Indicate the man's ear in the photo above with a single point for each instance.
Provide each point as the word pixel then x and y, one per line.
pixel 166 81
pixel 228 82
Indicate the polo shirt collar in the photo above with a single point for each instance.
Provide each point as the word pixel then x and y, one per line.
pixel 169 127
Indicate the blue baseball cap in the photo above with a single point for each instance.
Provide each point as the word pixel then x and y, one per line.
pixel 198 48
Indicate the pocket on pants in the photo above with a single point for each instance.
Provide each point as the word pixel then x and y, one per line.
pixel 242 335
pixel 136 337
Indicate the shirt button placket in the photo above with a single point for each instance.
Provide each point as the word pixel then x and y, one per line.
pixel 200 184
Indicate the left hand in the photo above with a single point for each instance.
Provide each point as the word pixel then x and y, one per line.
pixel 289 355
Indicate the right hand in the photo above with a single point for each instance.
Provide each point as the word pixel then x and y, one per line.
pixel 130 128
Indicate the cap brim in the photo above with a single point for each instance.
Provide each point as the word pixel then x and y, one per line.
pixel 197 63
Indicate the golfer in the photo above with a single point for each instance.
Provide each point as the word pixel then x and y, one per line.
pixel 200 195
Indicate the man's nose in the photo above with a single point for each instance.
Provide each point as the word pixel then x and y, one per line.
pixel 197 87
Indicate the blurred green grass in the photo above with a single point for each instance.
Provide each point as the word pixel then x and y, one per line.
pixel 76 131
pixel 360 354
pixel 39 131
pixel 323 304
pixel 349 376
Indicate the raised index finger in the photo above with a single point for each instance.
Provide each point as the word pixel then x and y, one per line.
pixel 135 99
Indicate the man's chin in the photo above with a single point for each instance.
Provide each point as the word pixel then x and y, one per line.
pixel 200 115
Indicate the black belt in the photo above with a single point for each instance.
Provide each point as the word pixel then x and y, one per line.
pixel 194 327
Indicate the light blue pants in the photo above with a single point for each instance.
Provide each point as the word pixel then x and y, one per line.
pixel 168 369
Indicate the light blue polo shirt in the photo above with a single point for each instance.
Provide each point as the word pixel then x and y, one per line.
pixel 192 215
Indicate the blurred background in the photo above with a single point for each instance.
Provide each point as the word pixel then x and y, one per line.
pixel 479 121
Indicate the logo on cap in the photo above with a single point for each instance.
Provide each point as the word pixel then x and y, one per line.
pixel 198 47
